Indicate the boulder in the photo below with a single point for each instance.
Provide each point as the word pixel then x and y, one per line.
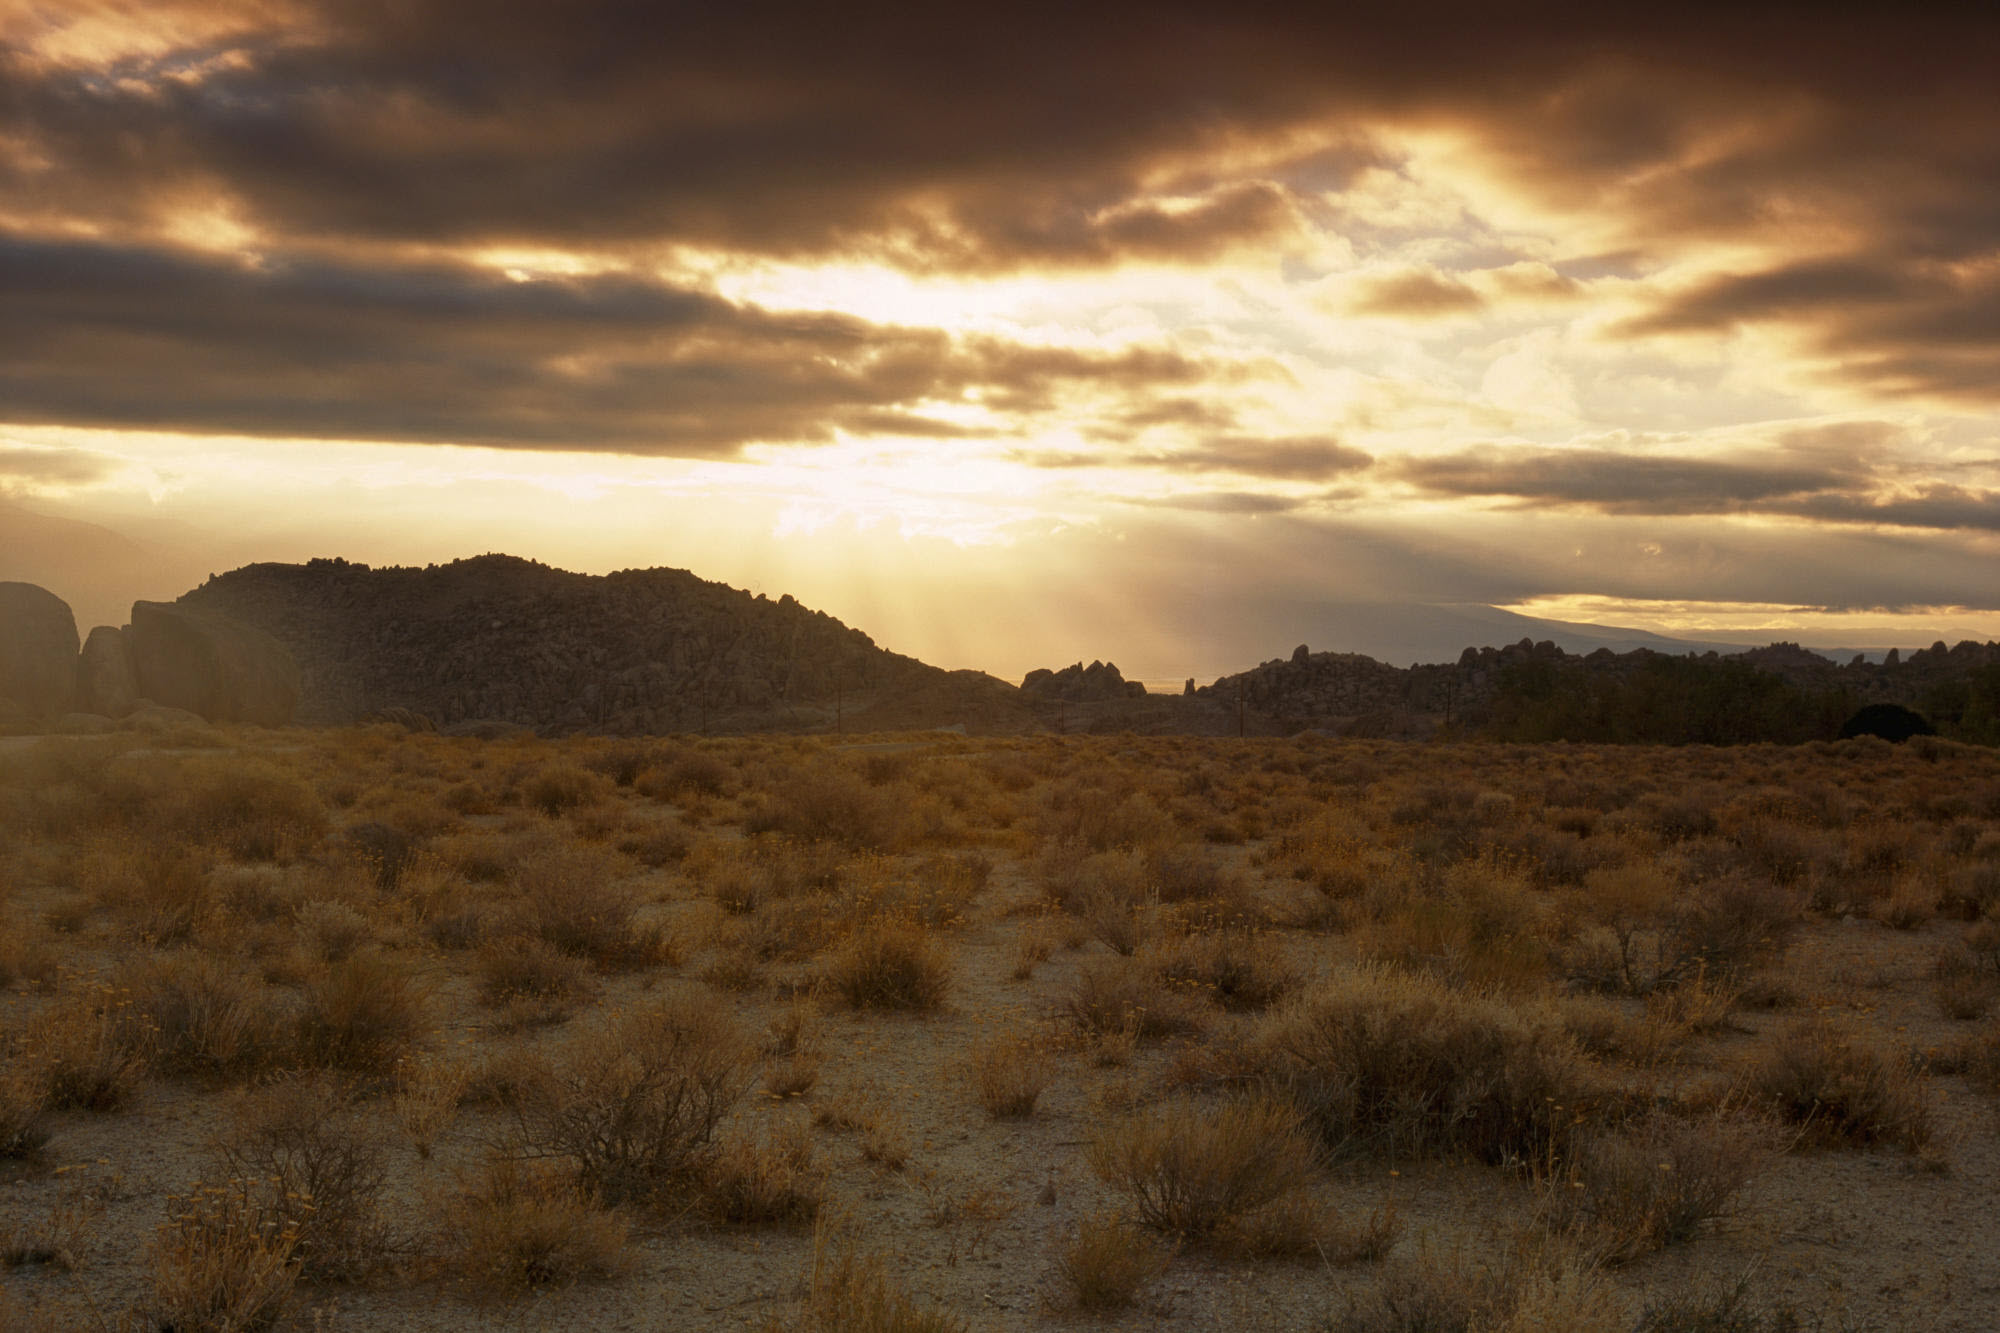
pixel 84 724
pixel 149 716
pixel 1081 684
pixel 105 681
pixel 205 663
pixel 37 649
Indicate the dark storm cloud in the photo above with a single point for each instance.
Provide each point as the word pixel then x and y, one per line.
pixel 1617 482
pixel 999 135
pixel 1891 323
pixel 1934 506
pixel 101 335
pixel 976 139
pixel 1817 474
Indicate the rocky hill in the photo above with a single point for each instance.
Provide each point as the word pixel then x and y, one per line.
pixel 655 650
pixel 1525 689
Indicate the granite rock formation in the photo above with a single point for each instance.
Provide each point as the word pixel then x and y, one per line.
pixel 1081 684
pixel 105 681
pixel 38 648
pixel 211 664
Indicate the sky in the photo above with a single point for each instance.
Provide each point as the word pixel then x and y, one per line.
pixel 1017 335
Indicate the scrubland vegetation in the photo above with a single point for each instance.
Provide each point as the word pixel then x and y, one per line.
pixel 369 1029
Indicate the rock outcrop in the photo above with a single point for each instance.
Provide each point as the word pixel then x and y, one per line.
pixel 38 648
pixel 500 639
pixel 105 681
pixel 1081 684
pixel 211 664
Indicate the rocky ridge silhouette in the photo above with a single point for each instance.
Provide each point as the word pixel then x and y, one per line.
pixel 498 638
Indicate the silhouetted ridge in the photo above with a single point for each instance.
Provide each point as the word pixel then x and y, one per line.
pixel 642 650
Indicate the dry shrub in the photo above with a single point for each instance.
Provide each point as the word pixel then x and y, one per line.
pixel 1032 947
pixel 1189 1169
pixel 528 968
pixel 1722 1309
pixel 163 893
pixel 890 964
pixel 90 1050
pixel 520 1226
pixel 885 1139
pixel 1107 1261
pixel 768 1181
pixel 792 1044
pixel 851 1292
pixel 221 1263
pixel 632 1104
pixel 1654 1184
pixel 1964 990
pixel 1302 1225
pixel 1840 1091
pixel 559 788
pixel 23 1105
pixel 1009 1074
pixel 1912 901
pixel 249 808
pixel 209 1018
pixel 1602 1027
pixel 1395 1062
pixel 60 1240
pixel 826 802
pixel 1102 814
pixel 572 899
pixel 688 772
pixel 1238 969
pixel 1522 1292
pixel 1479 925
pixel 958 876
pixel 1122 995
pixel 332 930
pixel 362 1015
pixel 1727 925
pixel 1184 872
pixel 310 1143
pixel 428 1092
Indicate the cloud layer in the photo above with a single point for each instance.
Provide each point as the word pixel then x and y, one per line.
pixel 1441 269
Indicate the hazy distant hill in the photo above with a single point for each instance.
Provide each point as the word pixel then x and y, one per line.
pixel 655 650
pixel 99 572
pixel 1401 634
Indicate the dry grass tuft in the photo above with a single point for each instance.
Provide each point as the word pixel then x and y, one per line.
pixel 91 1049
pixel 768 1181
pixel 1009 1074
pixel 1655 1184
pixel 362 1015
pixel 520 1226
pixel 851 1292
pixel 1839 1091
pixel 890 965
pixel 221 1263
pixel 1120 995
pixel 1189 1169
pixel 209 1018
pixel 1106 1263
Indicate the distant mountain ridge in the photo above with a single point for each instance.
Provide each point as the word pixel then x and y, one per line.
pixel 498 638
